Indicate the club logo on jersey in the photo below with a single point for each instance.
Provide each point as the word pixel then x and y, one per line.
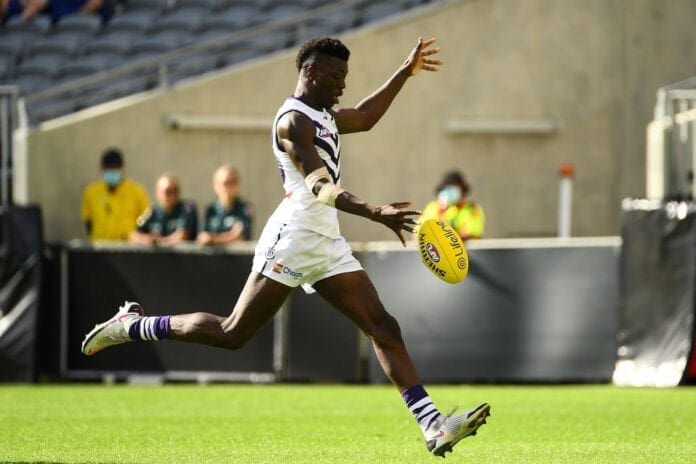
pixel 432 251
pixel 278 268
pixel 324 132
pixel 270 252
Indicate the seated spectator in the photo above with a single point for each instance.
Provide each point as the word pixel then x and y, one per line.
pixel 453 207
pixel 170 221
pixel 60 8
pixel 27 9
pixel 229 218
pixel 111 206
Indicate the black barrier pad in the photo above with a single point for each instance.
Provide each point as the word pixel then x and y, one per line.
pixel 20 280
pixel 323 344
pixel 658 268
pixel 164 282
pixel 522 315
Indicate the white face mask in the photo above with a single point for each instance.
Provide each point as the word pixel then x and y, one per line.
pixel 450 195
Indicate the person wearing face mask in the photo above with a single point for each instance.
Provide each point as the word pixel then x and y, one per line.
pixel 453 207
pixel 229 218
pixel 111 205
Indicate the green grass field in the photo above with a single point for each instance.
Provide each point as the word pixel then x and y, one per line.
pixel 339 424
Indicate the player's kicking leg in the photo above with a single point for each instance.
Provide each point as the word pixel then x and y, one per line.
pixel 353 294
pixel 259 301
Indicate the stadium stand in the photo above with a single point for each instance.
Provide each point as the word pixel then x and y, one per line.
pixel 148 43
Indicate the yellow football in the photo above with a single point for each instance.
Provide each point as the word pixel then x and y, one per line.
pixel 442 251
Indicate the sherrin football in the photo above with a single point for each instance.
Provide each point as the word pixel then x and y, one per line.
pixel 442 251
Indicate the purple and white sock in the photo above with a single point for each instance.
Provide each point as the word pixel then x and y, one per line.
pixel 421 406
pixel 150 328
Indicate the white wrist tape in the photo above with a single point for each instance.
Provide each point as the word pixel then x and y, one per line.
pixel 312 178
pixel 329 191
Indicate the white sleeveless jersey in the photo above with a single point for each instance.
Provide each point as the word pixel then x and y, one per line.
pixel 300 207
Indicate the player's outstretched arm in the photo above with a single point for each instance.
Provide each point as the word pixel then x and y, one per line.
pixel 371 109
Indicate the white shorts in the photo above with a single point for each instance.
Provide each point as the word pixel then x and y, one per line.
pixel 294 256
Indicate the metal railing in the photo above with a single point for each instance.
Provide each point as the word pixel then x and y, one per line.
pixel 156 72
pixel 671 143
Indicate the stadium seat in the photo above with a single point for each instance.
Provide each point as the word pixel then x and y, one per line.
pixel 199 4
pixel 377 11
pixel 118 42
pixel 29 83
pixel 160 43
pixel 40 65
pixel 86 25
pixel 283 11
pixel 158 6
pixel 15 44
pixel 39 25
pixel 59 44
pixel 87 65
pixel 231 19
pixel 188 19
pixel 7 64
pixel 136 20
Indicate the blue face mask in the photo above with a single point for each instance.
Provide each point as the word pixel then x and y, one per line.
pixel 450 195
pixel 112 177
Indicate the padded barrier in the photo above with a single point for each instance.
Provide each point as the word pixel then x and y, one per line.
pixel 20 281
pixel 656 311
pixel 531 311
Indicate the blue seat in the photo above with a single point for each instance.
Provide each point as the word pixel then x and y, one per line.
pixel 161 42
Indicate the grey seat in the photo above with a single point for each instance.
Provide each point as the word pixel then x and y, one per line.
pixel 87 65
pixel 382 10
pixel 158 6
pixel 187 19
pixel 161 42
pixel 66 44
pixel 231 19
pixel 283 11
pixel 40 65
pixel 199 4
pixel 30 83
pixel 16 44
pixel 84 24
pixel 136 20
pixel 119 42
pixel 7 65
pixel 38 25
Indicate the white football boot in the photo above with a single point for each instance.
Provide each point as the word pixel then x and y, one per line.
pixel 448 430
pixel 114 331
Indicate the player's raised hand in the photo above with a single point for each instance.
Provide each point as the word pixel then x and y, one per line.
pixel 397 218
pixel 418 59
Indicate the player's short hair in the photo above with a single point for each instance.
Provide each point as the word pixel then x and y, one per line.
pixel 309 50
pixel 112 159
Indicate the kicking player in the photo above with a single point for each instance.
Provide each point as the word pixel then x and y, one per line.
pixel 301 244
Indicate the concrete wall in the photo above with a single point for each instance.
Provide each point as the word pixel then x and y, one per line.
pixel 592 66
